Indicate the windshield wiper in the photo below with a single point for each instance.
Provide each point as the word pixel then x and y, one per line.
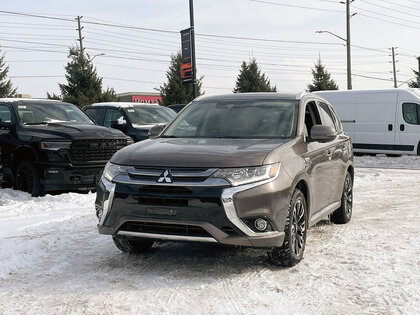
pixel 36 123
pixel 171 136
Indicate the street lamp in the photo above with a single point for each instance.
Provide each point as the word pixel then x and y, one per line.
pixel 349 85
pixel 101 54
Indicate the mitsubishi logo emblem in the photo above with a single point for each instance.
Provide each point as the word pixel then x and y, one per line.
pixel 165 177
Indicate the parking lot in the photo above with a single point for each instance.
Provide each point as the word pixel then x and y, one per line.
pixel 54 260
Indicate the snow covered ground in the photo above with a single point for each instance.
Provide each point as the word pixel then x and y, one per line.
pixel 52 260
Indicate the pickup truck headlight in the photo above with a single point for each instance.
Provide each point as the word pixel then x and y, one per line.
pixel 55 145
pixel 247 175
pixel 111 170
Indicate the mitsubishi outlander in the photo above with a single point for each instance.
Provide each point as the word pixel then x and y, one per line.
pixel 252 169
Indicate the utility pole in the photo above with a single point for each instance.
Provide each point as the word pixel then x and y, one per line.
pixel 348 17
pixel 79 28
pixel 194 70
pixel 394 71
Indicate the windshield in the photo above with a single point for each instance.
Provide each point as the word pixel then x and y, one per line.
pixel 43 113
pixel 149 115
pixel 248 119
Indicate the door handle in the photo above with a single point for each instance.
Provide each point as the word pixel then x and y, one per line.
pixel 390 127
pixel 402 127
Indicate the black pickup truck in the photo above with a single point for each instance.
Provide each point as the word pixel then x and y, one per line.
pixel 52 146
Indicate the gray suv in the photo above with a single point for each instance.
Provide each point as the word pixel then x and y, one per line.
pixel 252 169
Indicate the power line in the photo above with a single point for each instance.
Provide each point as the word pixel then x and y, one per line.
pixel 297 6
pixel 387 8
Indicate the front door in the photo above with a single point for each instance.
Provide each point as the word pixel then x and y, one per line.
pixel 318 160
pixel 408 132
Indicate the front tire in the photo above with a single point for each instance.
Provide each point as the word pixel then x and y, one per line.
pixel 294 243
pixel 27 179
pixel 343 214
pixel 133 246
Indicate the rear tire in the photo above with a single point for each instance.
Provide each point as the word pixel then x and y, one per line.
pixel 133 246
pixel 418 149
pixel 27 179
pixel 294 243
pixel 343 214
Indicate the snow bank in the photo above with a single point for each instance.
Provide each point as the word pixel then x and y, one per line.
pixel 383 161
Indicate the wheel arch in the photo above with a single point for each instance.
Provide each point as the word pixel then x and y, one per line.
pixel 22 153
pixel 350 169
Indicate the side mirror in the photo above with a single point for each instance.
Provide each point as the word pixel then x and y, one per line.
pixel 119 124
pixel 155 131
pixel 323 133
pixel 6 125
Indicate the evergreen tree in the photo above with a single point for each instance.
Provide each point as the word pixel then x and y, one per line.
pixel 416 82
pixel 250 79
pixel 173 91
pixel 322 79
pixel 6 87
pixel 83 84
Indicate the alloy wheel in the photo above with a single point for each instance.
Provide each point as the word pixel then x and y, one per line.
pixel 298 228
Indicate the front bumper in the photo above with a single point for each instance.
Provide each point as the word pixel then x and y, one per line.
pixel 222 214
pixel 66 176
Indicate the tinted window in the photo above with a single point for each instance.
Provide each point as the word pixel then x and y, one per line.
pixel 97 114
pixel 42 113
pixel 327 117
pixel 112 115
pixel 149 115
pixel 250 119
pixel 411 113
pixel 5 114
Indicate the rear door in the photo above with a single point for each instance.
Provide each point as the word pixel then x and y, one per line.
pixel 408 132
pixel 375 126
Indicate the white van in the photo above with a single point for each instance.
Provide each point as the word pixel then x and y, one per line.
pixel 379 121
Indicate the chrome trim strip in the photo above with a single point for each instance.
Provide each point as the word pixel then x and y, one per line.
pixel 227 202
pixel 158 171
pixel 324 212
pixel 209 182
pixel 110 187
pixel 169 237
pixel 205 173
pixel 144 172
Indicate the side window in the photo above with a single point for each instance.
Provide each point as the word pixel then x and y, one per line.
pixel 5 114
pixel 336 119
pixel 97 114
pixel 411 113
pixel 327 117
pixel 112 114
pixel 311 117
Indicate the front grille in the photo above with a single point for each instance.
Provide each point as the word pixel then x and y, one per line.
pixel 162 228
pixel 91 150
pixel 151 201
pixel 165 190
pixel 229 230
pixel 180 175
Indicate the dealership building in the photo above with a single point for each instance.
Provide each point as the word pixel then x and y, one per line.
pixel 140 97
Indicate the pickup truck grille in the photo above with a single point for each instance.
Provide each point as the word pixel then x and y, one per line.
pixel 92 150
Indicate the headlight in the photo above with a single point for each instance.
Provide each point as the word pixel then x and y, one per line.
pixel 111 170
pixel 241 176
pixel 129 140
pixel 55 145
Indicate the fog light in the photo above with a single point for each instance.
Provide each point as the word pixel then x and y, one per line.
pixel 53 171
pixel 260 224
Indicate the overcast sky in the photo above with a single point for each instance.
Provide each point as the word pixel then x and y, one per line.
pixel 137 60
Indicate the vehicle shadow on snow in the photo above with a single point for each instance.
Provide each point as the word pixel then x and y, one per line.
pixel 195 260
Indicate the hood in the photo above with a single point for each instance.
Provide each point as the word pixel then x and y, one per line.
pixel 70 131
pixel 183 152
